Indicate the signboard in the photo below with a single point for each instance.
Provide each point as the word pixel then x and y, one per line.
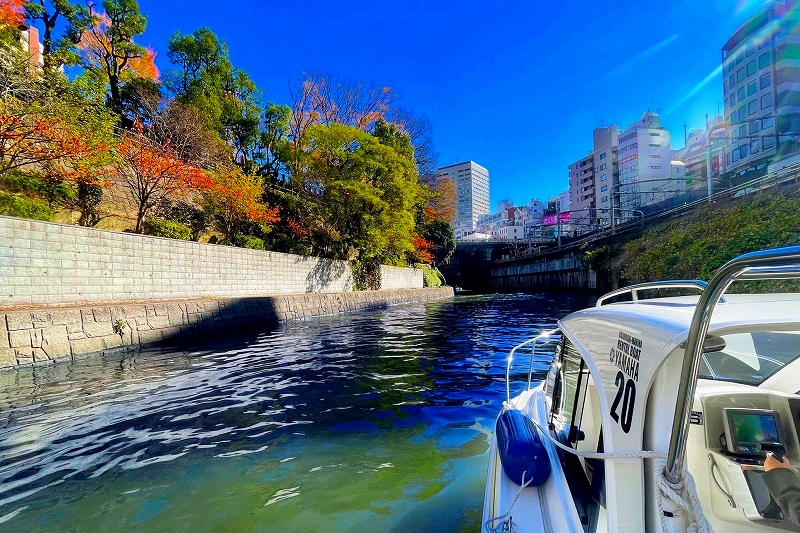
pixel 552 220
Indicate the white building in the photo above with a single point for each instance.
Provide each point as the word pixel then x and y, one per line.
pixel 646 173
pixel 472 191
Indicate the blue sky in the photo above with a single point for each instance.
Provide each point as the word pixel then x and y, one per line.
pixel 515 86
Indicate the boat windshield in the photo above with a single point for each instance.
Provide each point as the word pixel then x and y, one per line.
pixel 751 358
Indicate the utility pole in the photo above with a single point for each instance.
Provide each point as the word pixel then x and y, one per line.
pixel 708 159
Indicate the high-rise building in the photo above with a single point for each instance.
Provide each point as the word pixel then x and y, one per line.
pixel 761 88
pixel 592 178
pixel 646 173
pixel 472 191
pixel 606 141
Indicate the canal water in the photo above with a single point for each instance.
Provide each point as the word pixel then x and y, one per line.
pixel 374 421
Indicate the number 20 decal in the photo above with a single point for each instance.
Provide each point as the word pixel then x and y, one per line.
pixel 626 392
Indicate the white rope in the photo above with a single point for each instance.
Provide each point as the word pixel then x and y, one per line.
pixel 636 454
pixel 511 527
pixel 684 495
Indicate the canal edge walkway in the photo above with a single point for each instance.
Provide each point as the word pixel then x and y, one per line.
pixel 48 335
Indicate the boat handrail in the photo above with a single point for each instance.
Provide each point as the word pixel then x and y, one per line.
pixel 652 285
pixel 543 335
pixel 780 263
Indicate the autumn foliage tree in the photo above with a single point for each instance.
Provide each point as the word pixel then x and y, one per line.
pixel 12 13
pixel 154 173
pixel 442 203
pixel 234 200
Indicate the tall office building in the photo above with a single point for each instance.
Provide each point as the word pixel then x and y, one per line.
pixel 472 191
pixel 761 87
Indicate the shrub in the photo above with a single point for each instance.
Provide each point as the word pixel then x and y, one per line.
pixel 17 206
pixel 366 275
pixel 431 275
pixel 158 227
pixel 248 241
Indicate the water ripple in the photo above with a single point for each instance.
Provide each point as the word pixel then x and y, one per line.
pixel 418 373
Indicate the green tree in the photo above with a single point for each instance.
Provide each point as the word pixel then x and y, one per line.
pixel 109 53
pixel 53 14
pixel 225 96
pixel 440 234
pixel 365 192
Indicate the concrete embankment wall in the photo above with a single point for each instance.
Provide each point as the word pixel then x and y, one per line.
pixel 44 264
pixel 87 291
pixel 563 271
pixel 44 336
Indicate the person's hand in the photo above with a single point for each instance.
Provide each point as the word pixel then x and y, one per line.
pixel 771 462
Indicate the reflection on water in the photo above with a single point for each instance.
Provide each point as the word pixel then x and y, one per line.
pixel 375 421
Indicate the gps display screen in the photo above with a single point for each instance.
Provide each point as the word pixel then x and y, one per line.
pixel 748 430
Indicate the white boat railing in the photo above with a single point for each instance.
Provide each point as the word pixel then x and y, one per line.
pixel 542 335
pixel 653 285
pixel 781 263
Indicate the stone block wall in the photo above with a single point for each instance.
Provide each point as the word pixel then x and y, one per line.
pixel 47 335
pixel 400 278
pixel 44 264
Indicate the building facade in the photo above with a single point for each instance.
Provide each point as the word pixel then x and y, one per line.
pixel 647 176
pixel 472 192
pixel 761 90
pixel 695 156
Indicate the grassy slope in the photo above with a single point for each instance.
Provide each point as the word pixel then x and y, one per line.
pixel 695 246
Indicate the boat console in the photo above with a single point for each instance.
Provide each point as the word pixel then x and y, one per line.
pixel 740 429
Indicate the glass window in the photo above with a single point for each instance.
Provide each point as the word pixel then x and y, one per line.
pixel 742 95
pixel 755 127
pixel 766 101
pixel 763 60
pixel 751 358
pixel 751 68
pixel 732 81
pixel 752 88
pixel 603 155
pixel 767 123
pixel 605 199
pixel 733 98
pixel 743 150
pixel 742 112
pixel 740 75
pixel 752 107
pixel 604 177
pixel 735 155
pixel 769 142
pixel 573 391
pixel 751 49
pixel 765 80
pixel 755 146
pixel 604 188
pixel 743 130
pixel 739 58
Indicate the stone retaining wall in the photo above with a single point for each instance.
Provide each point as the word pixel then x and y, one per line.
pixel 42 263
pixel 47 335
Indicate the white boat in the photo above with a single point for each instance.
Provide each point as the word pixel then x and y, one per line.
pixel 656 414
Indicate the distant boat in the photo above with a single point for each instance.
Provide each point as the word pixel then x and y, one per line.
pixel 656 414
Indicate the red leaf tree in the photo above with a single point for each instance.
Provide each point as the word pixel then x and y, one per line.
pixel 422 250
pixel 153 172
pixel 12 13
